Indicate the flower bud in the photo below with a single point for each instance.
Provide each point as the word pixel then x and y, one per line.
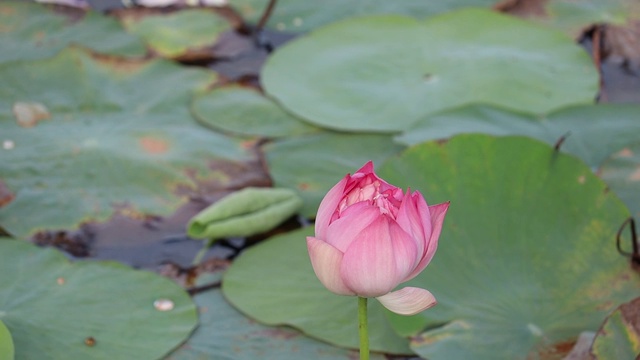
pixel 371 236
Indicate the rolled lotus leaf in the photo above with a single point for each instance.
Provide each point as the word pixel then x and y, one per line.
pixel 246 212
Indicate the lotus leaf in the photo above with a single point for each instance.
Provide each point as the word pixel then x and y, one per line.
pixel 246 112
pixel 526 261
pixel 591 132
pixel 56 309
pixel 619 336
pixel 173 35
pixel 113 134
pixel 226 334
pixel 246 212
pixel 303 15
pixel 382 73
pixel 33 31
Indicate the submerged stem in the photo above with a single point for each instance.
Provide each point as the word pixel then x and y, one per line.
pixel 266 14
pixel 363 329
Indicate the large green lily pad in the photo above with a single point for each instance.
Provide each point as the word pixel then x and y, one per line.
pixel 303 15
pixel 527 259
pixel 622 173
pixel 591 132
pixel 243 111
pixel 56 309
pixel 89 134
pixel 174 34
pixel 226 334
pixel 382 73
pixel 34 31
pixel 313 164
pixel 274 283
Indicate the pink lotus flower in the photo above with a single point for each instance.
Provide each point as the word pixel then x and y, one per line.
pixel 370 237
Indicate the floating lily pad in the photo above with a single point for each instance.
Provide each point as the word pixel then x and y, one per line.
pixel 573 17
pixel 33 31
pixel 226 334
pixel 56 309
pixel 591 132
pixel 382 73
pixel 622 173
pixel 527 258
pixel 294 296
pixel 119 134
pixel 313 164
pixel 619 336
pixel 303 15
pixel 245 112
pixel 173 35
pixel 7 350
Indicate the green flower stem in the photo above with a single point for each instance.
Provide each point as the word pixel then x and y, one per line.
pixel 200 255
pixel 363 329
pixel 196 261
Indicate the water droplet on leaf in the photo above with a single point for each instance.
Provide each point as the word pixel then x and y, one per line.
pixel 163 304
